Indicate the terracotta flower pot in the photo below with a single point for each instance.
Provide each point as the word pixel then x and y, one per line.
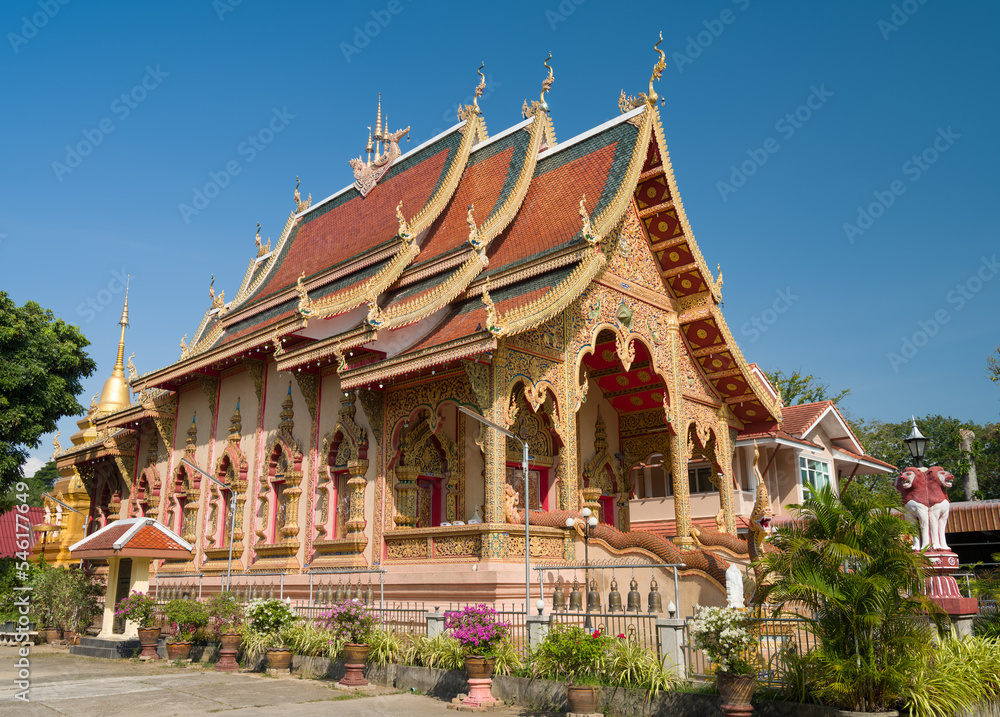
pixel 736 691
pixel 52 634
pixel 148 637
pixel 279 658
pixel 229 646
pixel 582 699
pixel 355 658
pixel 72 637
pixel 850 713
pixel 478 667
pixel 178 650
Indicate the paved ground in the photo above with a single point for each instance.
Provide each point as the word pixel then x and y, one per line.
pixel 64 684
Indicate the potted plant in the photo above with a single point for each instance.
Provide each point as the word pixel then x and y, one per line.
pixel 480 634
pixel 83 591
pixel 350 620
pixel 140 608
pixel 571 653
pixel 268 618
pixel 723 633
pixel 227 615
pixel 186 618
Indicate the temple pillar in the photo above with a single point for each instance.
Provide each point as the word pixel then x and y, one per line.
pixel 725 448
pixel 357 484
pixel 591 499
pixel 406 496
pixel 495 455
pixel 682 490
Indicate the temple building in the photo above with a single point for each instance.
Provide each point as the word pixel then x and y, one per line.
pixel 554 288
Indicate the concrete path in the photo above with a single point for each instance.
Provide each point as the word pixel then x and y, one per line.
pixel 64 684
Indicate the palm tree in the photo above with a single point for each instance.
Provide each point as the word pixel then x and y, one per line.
pixel 846 564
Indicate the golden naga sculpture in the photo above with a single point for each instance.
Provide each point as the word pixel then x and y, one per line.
pixel 305 303
pixel 467 112
pixel 93 405
pixel 475 240
pixel 404 228
pixel 374 318
pixel 492 319
pixel 218 302
pixel 540 105
pixel 56 445
pixel 263 249
pixel 592 237
pixel 367 173
pixel 184 346
pixel 627 103
pixel 717 284
pixel 299 204
pixel 133 373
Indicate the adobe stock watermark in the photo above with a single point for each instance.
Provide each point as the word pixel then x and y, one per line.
pixel 248 149
pixel 93 305
pixel 784 300
pixel 899 16
pixel 122 107
pixel 786 126
pixel 913 169
pixel 30 26
pixel 958 297
pixel 697 44
pixel 224 7
pixel 562 12
pixel 364 34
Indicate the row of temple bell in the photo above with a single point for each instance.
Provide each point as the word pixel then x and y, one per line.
pixel 654 600
pixel 325 595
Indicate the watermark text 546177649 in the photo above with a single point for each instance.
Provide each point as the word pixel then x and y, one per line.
pixel 22 600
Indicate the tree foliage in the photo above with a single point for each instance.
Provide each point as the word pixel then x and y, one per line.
pixel 847 564
pixel 796 388
pixel 42 482
pixel 993 366
pixel 42 364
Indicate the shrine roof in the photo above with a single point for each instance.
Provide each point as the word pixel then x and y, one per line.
pixel 13 528
pixel 549 218
pixel 347 224
pixel 132 537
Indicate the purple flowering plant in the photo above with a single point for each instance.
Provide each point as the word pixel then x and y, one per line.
pixel 477 629
pixel 137 607
pixel 350 620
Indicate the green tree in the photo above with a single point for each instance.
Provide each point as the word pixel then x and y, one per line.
pixel 796 388
pixel 42 364
pixel 848 566
pixel 42 482
pixel 993 366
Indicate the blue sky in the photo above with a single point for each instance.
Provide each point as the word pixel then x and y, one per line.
pixel 839 160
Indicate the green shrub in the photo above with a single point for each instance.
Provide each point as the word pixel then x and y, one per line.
pixel 572 654
pixel 187 617
pixel 227 613
pixel 311 640
pixel 630 664
pixel 385 646
pixel 957 675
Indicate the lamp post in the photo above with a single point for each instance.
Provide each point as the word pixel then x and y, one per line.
pixel 527 506
pixel 231 506
pixel 588 529
pixel 916 442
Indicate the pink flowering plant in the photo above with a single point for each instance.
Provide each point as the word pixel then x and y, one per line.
pixel 137 607
pixel 350 620
pixel 477 629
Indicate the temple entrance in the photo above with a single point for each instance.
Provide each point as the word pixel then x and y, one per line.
pixel 121 591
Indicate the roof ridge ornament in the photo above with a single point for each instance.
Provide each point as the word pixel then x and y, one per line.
pixel 374 318
pixel 492 319
pixel 403 232
pixel 300 206
pixel 540 105
pixel 475 240
pixel 467 112
pixel 305 303
pixel 368 173
pixel 627 103
pixel 263 249
pixel 588 231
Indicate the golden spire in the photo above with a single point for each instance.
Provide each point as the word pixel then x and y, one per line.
pixel 378 127
pixel 652 97
pixel 115 393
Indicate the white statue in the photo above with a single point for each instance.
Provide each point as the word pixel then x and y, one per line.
pixel 476 519
pixel 734 586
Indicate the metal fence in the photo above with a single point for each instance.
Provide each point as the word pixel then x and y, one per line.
pixel 638 627
pixel 773 637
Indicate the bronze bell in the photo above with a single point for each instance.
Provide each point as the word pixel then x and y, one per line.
pixel 594 597
pixel 340 595
pixel 634 598
pixel 359 591
pixel 575 598
pixel 655 601
pixel 370 594
pixel 558 598
pixel 270 593
pixel 614 597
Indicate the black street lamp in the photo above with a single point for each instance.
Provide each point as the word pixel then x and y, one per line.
pixel 917 443
pixel 590 522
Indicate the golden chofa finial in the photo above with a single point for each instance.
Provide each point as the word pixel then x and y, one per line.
pixel 661 64
pixel 546 83
pixel 480 87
